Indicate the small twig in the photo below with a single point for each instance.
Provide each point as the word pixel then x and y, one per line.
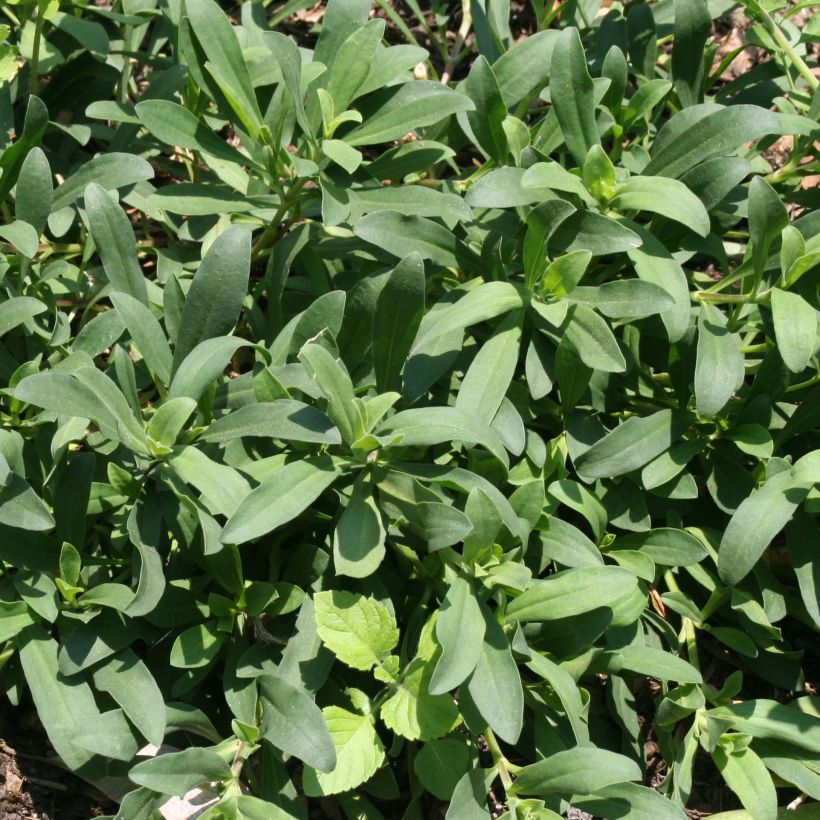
pixel 796 803
pixel 461 37
pixel 46 784
pixel 51 761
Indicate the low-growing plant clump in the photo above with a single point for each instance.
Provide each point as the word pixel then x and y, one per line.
pixel 402 417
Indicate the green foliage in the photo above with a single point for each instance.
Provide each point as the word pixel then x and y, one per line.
pixel 384 442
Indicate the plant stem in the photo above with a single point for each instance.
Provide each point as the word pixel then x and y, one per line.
pixel 34 74
pixel 125 74
pixel 689 633
pixel 7 655
pixel 284 206
pixel 730 298
pixel 787 170
pixel 716 600
pixel 815 379
pixel 797 61
pixel 461 37
pixel 11 15
pixel 498 758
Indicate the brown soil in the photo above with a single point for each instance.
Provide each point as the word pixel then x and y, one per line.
pixel 33 784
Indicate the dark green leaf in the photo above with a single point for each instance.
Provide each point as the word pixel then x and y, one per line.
pixel 114 238
pixel 572 95
pixel 175 773
pixel 214 301
pixel 279 499
pixel 398 314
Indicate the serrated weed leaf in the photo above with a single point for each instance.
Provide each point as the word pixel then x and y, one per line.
pixel 360 631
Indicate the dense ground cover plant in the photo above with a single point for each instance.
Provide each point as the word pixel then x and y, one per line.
pixel 404 448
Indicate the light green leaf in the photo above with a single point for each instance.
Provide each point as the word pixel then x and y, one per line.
pixel 344 155
pixel 484 302
pixel 469 800
pixel 568 692
pixel 748 778
pixel 14 617
pixel 22 236
pixel 196 647
pixel 693 23
pixel 666 546
pixel 222 489
pixel 358 630
pixel 333 380
pixel 772 720
pixel 654 264
pixel 89 394
pixel 20 506
pixel 359 753
pixel 525 67
pixel 352 64
pixel 401 235
pixel 444 525
pixel 647 660
pixel 34 192
pixel 413 712
pixel 109 734
pixel 644 803
pixel 768 218
pixel 565 272
pixel 412 200
pixel 167 423
pixel 568 546
pixel 669 464
pixel 699 133
pixel 625 298
pixel 115 596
